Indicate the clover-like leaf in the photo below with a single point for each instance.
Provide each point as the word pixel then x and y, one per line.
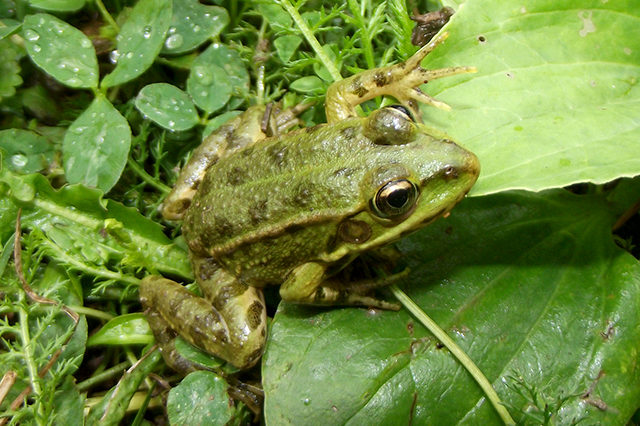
pixel 96 146
pixel 192 24
pixel 168 106
pixel 140 40
pixel 61 50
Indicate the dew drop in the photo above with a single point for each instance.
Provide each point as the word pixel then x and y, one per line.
pixel 19 160
pixel 171 30
pixel 78 130
pixel 306 401
pixel 114 56
pixel 171 123
pixel 196 28
pixel 31 35
pixel 146 32
pixel 86 43
pixel 174 41
pixel 203 75
pixel 129 55
pixel 37 48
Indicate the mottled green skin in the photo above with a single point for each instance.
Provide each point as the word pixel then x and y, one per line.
pixel 292 210
pixel 262 221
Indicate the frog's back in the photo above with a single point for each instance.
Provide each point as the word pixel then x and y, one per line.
pixel 300 180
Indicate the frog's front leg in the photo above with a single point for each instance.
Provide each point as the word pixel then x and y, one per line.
pixel 400 81
pixel 228 321
pixel 308 285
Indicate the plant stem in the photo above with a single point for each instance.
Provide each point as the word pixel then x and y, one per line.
pixel 142 174
pixel 107 16
pixel 311 39
pixel 464 359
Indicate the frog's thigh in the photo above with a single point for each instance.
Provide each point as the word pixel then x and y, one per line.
pixel 307 285
pixel 232 327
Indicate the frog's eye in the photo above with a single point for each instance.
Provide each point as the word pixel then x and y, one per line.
pixel 395 199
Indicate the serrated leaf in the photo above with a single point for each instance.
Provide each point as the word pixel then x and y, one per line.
pixel 96 146
pixel 9 69
pixel 216 75
pixel 556 97
pixel 168 106
pixel 140 40
pixel 527 284
pixel 61 50
pixel 212 402
pixel 81 210
pixel 58 5
pixel 192 24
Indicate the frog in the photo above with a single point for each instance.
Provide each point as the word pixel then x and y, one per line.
pixel 263 205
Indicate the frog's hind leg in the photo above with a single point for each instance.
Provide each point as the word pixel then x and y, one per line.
pixel 229 321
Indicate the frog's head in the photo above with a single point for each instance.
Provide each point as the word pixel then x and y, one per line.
pixel 419 176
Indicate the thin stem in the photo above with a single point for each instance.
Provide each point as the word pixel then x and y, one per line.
pixel 311 39
pixel 457 352
pixel 107 16
pixel 147 178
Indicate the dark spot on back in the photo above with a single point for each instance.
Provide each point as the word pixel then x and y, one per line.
pixel 278 153
pixel 380 79
pixel 195 184
pixel 222 227
pixel 358 88
pixel 312 129
pixel 236 176
pixel 207 268
pixel 254 315
pixel 258 212
pixel 348 132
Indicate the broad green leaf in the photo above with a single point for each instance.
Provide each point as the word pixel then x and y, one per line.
pixel 126 329
pixel 26 151
pixel 168 106
pixel 12 27
pixel 530 286
pixel 87 226
pixel 211 403
pixel 9 69
pixel 61 50
pixel 140 40
pixel 96 146
pixel 556 98
pixel 58 5
pixel 216 75
pixel 192 24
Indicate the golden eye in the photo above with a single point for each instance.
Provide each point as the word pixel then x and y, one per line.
pixel 395 199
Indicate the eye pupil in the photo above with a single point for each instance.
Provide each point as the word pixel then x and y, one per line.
pixel 398 198
pixel 395 199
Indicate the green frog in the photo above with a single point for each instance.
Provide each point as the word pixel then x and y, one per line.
pixel 262 207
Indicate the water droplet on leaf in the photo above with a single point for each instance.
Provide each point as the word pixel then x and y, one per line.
pixel 174 41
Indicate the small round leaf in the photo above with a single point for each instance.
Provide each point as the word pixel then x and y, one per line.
pixel 168 106
pixel 192 24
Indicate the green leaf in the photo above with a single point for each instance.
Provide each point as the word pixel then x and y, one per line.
pixel 113 406
pixel 26 151
pixel 140 40
pixel 309 85
pixel 168 106
pixel 556 97
pixel 96 146
pixel 286 46
pixel 86 221
pixel 69 404
pixel 215 75
pixel 58 5
pixel 129 329
pixel 9 69
pixel 528 285
pixel 12 27
pixel 192 24
pixel 211 403
pixel 61 50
